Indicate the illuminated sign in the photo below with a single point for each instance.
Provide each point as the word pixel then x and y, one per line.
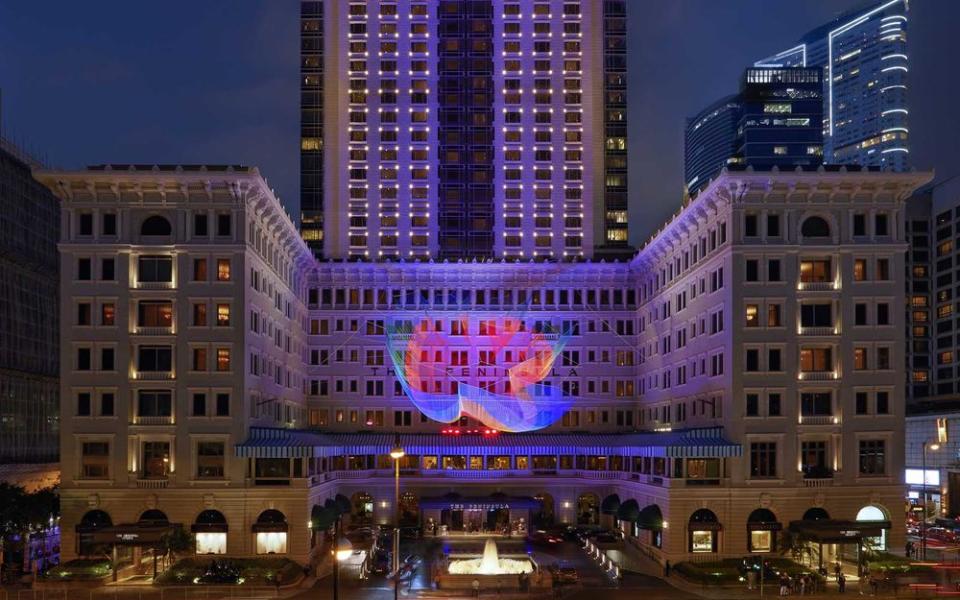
pixel 503 386
pixel 915 477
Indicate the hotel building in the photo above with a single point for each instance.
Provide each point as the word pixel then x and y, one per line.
pixel 448 129
pixel 742 374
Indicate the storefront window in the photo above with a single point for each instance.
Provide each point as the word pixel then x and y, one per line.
pixel 211 543
pixel 455 462
pixel 429 462
pixel 272 542
pixel 761 541
pixel 701 541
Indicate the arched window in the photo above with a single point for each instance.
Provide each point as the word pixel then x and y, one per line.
pixel 155 225
pixel 815 227
pixel 95 519
pixel 157 516
pixel 816 514
pixel 762 526
pixel 704 530
pixel 210 532
pixel 271 532
pixel 871 513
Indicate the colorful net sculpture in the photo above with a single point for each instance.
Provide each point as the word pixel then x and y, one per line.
pixel 508 397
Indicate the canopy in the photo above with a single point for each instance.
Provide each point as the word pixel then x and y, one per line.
pixel 838 531
pixel 650 518
pixel 610 504
pixel 629 511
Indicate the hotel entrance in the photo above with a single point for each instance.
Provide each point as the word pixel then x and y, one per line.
pixel 493 515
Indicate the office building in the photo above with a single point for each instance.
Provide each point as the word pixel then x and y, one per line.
pixel 448 130
pixel 29 321
pixel 710 141
pixel 863 54
pixel 741 375
pixel 774 121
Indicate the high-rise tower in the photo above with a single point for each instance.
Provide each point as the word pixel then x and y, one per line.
pixel 468 129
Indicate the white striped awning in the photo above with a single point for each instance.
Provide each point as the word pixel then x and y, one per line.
pixel 264 442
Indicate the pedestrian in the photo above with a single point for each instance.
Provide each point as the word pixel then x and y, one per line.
pixel 803 585
pixel 837 571
pixel 751 578
pixel 666 569
pixel 476 588
pixel 784 585
pixel 874 585
pixel 908 550
pixel 841 583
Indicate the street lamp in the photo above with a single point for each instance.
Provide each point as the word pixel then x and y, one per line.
pixel 923 486
pixel 396 453
pixel 341 551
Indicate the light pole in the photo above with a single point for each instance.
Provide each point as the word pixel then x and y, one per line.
pixel 396 453
pixel 923 486
pixel 341 551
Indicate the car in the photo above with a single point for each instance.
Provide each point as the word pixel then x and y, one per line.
pixel 564 574
pixel 941 535
pixel 542 537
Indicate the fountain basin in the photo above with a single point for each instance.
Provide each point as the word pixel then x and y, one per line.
pixel 493 571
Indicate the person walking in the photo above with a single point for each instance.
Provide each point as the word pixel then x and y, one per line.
pixel 841 583
pixel 476 588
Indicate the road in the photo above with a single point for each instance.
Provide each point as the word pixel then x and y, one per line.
pixel 592 578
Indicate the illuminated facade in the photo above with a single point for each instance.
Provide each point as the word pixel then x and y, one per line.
pixel 740 375
pixel 864 57
pixel 482 129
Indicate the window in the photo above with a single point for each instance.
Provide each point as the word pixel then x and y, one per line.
pixel 872 457
pixel 860 314
pixel 95 460
pixel 773 405
pixel 109 224
pixel 83 359
pixel 84 269
pixel 815 271
pixel 200 225
pixel 83 313
pixel 155 269
pixel 108 270
pixel 815 227
pixel 859 224
pixel 199 359
pixel 773 225
pixel 816 315
pixel 816 404
pixel 108 313
pixel 223 269
pixel 223 315
pixel 753 405
pixel 883 403
pixel 199 269
pixel 860 402
pixel 774 312
pixel 155 313
pixel 816 360
pixel 859 269
pixel 154 403
pixel 155 225
pixel 880 224
pixel 883 313
pixel 199 315
pixel 763 459
pixel 773 270
pixel 223 359
pixel 106 359
pixel 210 460
pixel 883 269
pixel 154 358
pixel 750 228
pixel 774 359
pixel 83 404
pixel 199 405
pixel 752 315
pixel 86 224
pixel 752 360
pixel 859 359
pixel 106 404
pixel 752 270
pixel 223 225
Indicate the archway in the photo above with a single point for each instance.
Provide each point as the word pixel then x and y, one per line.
pixel 704 529
pixel 876 514
pixel 544 517
pixel 815 227
pixel 816 514
pixel 651 519
pixel 155 225
pixel 588 509
pixel 210 531
pixel 762 528
pixel 92 521
pixel 361 509
pixel 153 516
pixel 271 531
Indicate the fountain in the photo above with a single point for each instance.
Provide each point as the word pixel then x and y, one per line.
pixel 490 563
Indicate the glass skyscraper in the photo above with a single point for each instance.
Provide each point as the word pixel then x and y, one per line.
pixel 433 129
pixel 864 57
pixel 29 318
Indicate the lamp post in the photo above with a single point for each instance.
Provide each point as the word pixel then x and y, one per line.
pixel 923 486
pixel 396 453
pixel 341 551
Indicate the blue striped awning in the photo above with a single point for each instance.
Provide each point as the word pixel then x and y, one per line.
pixel 709 442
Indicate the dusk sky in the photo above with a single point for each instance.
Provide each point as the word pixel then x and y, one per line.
pixel 217 82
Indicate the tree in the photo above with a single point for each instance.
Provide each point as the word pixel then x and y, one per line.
pixel 176 541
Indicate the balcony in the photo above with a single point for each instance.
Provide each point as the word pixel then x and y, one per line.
pixel 153 330
pixel 817 482
pixel 153 285
pixel 817 376
pixel 153 375
pixel 819 420
pixel 819 331
pixel 152 483
pixel 818 286
pixel 152 420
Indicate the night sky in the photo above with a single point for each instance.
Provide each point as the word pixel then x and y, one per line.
pixel 205 81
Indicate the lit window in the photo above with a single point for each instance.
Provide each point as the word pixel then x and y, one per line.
pixel 223 269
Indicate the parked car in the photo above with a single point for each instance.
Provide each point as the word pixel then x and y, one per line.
pixel 564 574
pixel 543 538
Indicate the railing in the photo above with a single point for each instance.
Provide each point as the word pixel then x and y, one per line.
pixel 153 375
pixel 817 482
pixel 819 420
pixel 819 331
pixel 160 420
pixel 152 483
pixel 153 285
pixel 153 330
pixel 472 474
pixel 817 286
pixel 818 375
